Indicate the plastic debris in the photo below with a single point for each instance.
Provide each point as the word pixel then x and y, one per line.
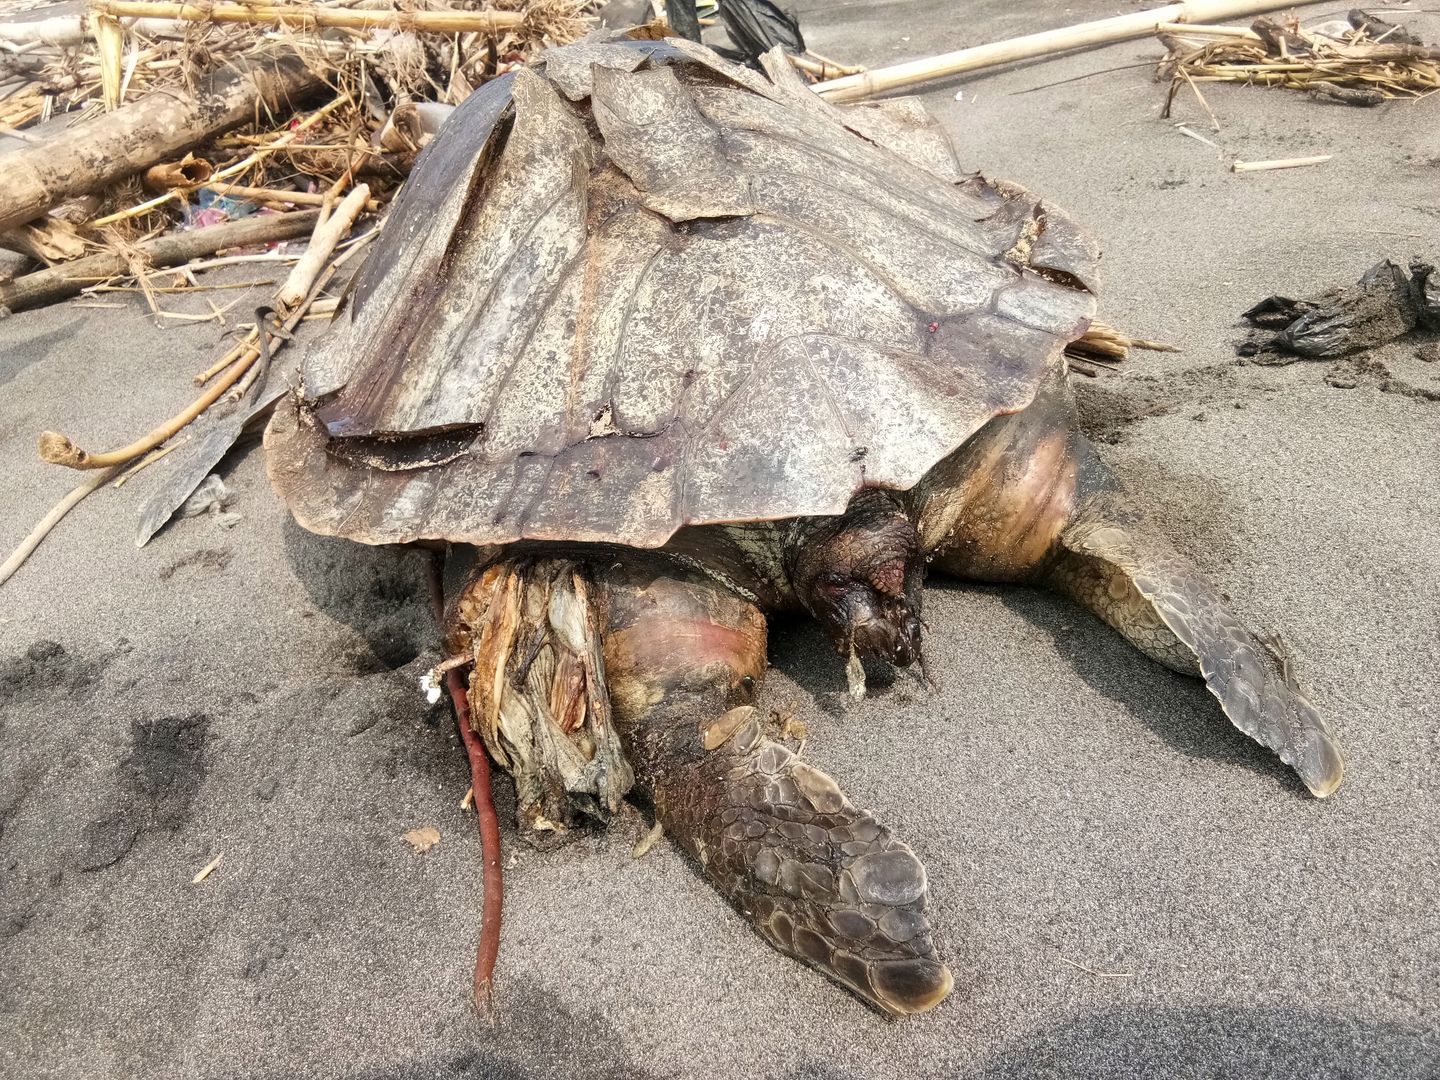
pixel 210 498
pixel 757 26
pixel 423 838
pixel 1383 305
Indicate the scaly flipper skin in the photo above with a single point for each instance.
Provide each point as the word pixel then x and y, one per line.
pixel 1165 608
pixel 1027 500
pixel 820 879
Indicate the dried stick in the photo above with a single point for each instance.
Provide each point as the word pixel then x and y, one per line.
pixel 72 278
pixel 1208 31
pixel 58 450
pixel 236 260
pixel 492 878
pixel 1214 120
pixel 1283 163
pixel 300 17
pixel 145 462
pixel 50 520
pixel 227 359
pixel 277 195
pixel 327 234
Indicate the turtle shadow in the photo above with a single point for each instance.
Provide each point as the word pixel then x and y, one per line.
pixel 540 1037
pixel 1178 709
pixel 1237 1042
pixel 378 592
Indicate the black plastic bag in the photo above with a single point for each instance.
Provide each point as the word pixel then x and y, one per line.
pixel 1381 306
pixel 757 26
pixel 1426 292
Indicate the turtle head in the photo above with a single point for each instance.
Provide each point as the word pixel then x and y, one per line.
pixel 860 574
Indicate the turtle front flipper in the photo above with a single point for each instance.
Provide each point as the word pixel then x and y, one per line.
pixel 1028 500
pixel 818 878
pixel 1165 608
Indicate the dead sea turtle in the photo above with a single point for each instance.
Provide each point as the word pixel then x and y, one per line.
pixel 677 344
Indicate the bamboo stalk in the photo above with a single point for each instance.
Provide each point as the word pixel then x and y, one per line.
pixel 1282 163
pixel 1100 32
pixel 305 17
pixel 1210 31
pixel 69 279
pixel 188 172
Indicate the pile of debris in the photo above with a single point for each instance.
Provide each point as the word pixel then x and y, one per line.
pixel 132 119
pixel 128 119
pixel 1360 60
pixel 143 135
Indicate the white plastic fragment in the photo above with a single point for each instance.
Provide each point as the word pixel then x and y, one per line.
pixel 210 498
pixel 432 683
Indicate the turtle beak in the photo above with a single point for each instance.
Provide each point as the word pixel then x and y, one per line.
pixel 907 641
pixel 885 628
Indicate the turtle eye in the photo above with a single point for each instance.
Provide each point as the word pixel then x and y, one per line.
pixel 832 583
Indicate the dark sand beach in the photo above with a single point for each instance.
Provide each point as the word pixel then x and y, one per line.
pixel 1128 886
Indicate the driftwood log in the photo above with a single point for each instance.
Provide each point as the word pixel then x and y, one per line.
pixel 155 128
pixel 69 279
